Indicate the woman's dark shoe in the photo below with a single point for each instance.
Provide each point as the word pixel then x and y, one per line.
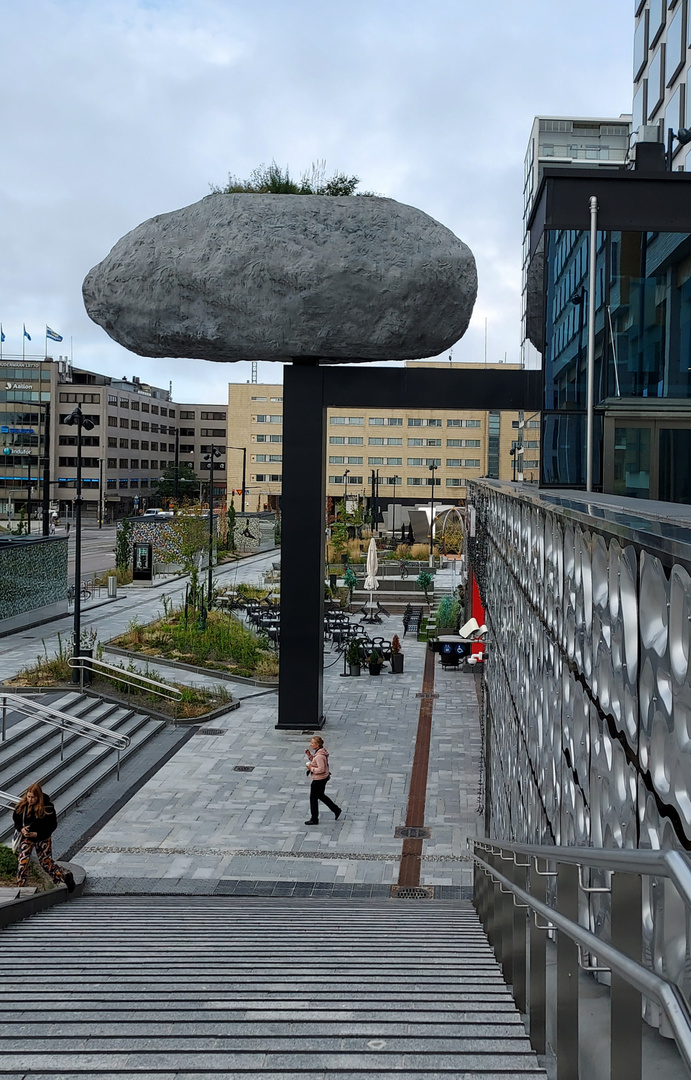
pixel 337 813
pixel 69 880
pixel 311 822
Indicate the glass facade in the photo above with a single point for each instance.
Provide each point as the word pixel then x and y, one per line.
pixel 642 348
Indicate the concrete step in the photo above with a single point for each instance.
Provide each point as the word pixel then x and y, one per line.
pixel 33 751
pixel 264 988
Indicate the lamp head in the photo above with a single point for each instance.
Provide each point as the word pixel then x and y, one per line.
pixel 684 136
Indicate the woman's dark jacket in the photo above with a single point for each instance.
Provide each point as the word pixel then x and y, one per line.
pixel 42 826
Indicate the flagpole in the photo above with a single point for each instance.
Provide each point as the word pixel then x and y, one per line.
pixel 23 342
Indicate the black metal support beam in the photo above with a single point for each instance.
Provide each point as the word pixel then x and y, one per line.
pixel 300 703
pixel 308 390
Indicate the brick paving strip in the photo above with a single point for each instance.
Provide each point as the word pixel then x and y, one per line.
pixel 411 854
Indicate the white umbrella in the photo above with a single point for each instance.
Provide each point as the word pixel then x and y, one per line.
pixel 371 582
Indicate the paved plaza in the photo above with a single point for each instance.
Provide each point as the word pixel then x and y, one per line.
pixel 199 825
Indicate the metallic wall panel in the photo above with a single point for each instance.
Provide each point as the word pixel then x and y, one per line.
pixel 589 688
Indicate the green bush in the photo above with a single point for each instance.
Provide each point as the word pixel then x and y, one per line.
pixel 448 611
pixel 8 862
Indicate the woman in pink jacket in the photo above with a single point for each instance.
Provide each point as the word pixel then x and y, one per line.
pixel 318 765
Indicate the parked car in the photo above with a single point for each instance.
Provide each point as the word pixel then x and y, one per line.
pixel 157 512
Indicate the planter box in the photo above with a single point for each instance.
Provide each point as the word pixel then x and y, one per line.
pixel 397 663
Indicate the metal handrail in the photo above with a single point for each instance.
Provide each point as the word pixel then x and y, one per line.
pixel 7 801
pixel 47 715
pixel 127 677
pixel 64 722
pixel 507 933
pixel 647 982
pixel 669 863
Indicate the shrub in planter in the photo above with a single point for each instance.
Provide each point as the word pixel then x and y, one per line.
pixel 354 656
pixel 396 655
pixel 447 615
pixel 375 662
pixel 8 862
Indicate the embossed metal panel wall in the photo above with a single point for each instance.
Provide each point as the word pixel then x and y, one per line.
pixel 588 692
pixel 33 574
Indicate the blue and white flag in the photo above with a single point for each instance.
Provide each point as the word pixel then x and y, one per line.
pixel 26 335
pixel 52 335
pixel 2 334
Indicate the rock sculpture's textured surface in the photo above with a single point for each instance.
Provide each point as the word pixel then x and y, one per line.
pixel 280 277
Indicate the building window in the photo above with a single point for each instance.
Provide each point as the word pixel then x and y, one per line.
pixel 134 463
pixel 124 463
pixel 134 444
pixel 277 399
pixel 111 441
pixel 471 463
pixel 112 399
pixel 145 406
pixel 144 444
pixel 455 481
pixel 112 463
pixel 154 463
pixel 154 409
pixel 164 412
pixel 253 398
pixel 154 446
pixel 185 414
pixel 124 403
pixel 124 422
pixel 266 418
pixel 353 420
pixel 268 478
pixel 375 460
pixel 185 448
pixel 213 416
pixel 145 425
pixel 80 399
pixel 355 480
pixel 453 463
pixel 134 424
pixel 112 421
pixel 213 433
pixel 134 405
pixel 270 438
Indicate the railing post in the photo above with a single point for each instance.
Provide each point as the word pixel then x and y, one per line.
pixel 62 740
pixel 626 1005
pixel 4 718
pixel 518 959
pixel 493 932
pixel 507 924
pixel 567 976
pixel 117 775
pixel 538 967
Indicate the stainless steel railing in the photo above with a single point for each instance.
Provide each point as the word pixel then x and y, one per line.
pixel 64 722
pixel 7 801
pixel 510 895
pixel 132 679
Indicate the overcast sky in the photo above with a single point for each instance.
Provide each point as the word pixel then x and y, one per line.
pixel 116 110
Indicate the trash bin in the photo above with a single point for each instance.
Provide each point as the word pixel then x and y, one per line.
pixel 112 586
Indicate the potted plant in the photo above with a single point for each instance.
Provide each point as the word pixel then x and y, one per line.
pixel 354 656
pixel 447 615
pixel 375 662
pixel 396 656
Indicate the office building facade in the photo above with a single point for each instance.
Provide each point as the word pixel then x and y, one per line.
pixel 395 447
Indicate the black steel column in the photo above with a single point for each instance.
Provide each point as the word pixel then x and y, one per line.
pixel 209 592
pixel 244 474
pixel 28 490
pixel 77 631
pixel 300 703
pixel 176 483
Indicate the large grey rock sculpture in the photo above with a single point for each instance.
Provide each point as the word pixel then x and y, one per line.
pixel 286 277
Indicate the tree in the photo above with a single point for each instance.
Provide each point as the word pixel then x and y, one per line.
pixel 123 544
pixel 188 484
pixel 272 180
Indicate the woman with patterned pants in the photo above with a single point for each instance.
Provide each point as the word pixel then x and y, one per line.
pixel 35 820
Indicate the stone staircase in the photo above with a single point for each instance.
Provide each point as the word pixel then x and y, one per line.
pixel 31 750
pixel 183 987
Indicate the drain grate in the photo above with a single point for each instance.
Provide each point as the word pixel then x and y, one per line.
pixel 412 892
pixel 212 731
pixel 243 768
pixel 412 832
pixel 426 696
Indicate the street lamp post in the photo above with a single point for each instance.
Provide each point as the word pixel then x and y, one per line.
pixel 214 452
pixel 28 495
pixel 244 474
pixel 394 481
pixel 346 474
pixel 77 418
pixel 432 469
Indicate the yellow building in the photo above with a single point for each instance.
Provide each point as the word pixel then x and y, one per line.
pixel 397 446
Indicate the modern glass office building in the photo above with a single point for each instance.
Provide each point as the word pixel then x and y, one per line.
pixel 642 382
